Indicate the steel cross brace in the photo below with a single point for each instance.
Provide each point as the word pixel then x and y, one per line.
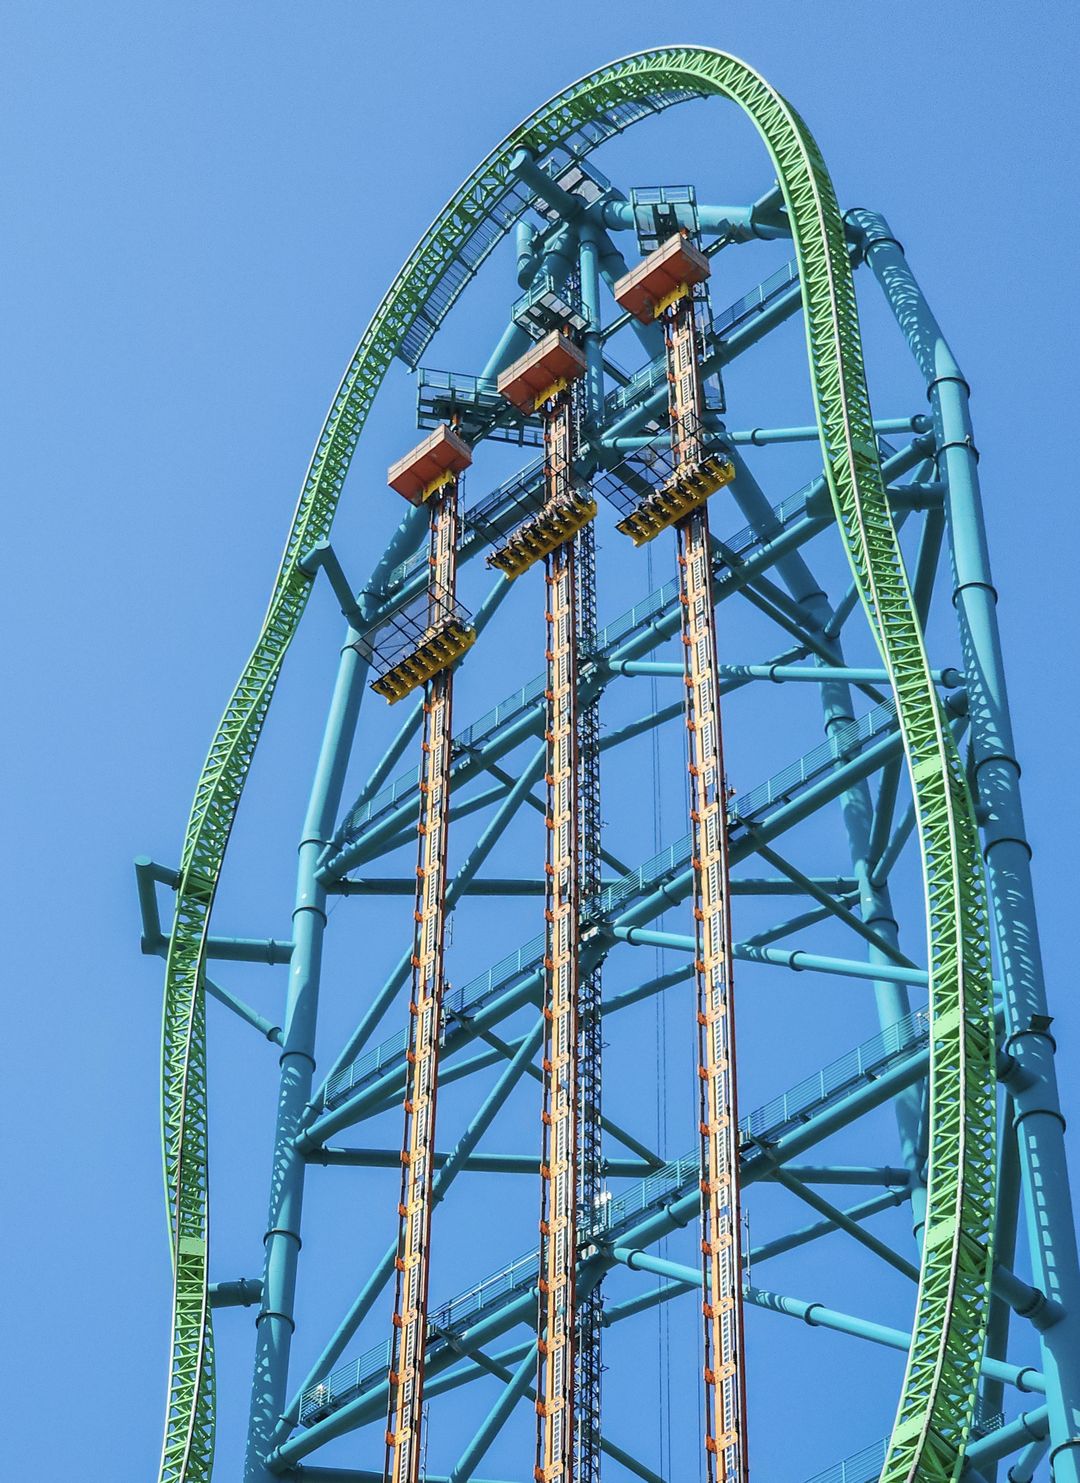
pixel 676 889
pixel 908 1067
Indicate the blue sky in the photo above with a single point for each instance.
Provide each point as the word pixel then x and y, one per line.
pixel 204 205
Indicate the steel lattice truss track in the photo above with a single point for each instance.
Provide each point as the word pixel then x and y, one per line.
pixel 588 1381
pixel 954 1046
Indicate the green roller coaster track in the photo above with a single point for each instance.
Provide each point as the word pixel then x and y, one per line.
pixel 937 1398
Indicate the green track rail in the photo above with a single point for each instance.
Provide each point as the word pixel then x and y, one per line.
pixel 938 1392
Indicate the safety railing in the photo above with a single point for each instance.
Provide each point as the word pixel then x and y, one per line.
pixel 861 1467
pixel 864 1063
pixel 467 1308
pixel 770 1122
pixel 388 1053
pixel 660 211
pixel 387 799
pixel 641 383
pixel 756 300
pixel 647 877
pixel 470 996
pixel 543 307
pixel 404 629
pixel 865 1466
pixel 648 469
pixel 474 402
pixel 840 747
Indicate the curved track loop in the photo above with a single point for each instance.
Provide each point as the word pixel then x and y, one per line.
pixel 937 1396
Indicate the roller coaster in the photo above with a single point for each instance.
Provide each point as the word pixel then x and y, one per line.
pixel 905 763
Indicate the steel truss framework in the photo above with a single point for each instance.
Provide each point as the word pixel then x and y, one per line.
pixel 969 1174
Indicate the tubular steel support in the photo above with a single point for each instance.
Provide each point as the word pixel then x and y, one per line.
pixel 1036 1109
pixel 275 1321
pixel 512 1392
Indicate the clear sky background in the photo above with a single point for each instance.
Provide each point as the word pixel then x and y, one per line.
pixel 203 205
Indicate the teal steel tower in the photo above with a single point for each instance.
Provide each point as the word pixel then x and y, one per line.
pixel 878 849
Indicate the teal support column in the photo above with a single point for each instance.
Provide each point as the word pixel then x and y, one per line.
pixel 1005 1225
pixel 612 267
pixel 1023 1469
pixel 512 343
pixel 1007 1438
pixel 275 1322
pixel 589 265
pixel 525 235
pixel 1036 1106
pixel 556 260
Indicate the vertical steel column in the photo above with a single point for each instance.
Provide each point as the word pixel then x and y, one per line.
pixel 991 1390
pixel 1036 1105
pixel 589 274
pixel 556 262
pixel 724 1373
pixel 558 1169
pixel 274 1323
pixel 892 1000
pixel 588 1355
pixel 404 1426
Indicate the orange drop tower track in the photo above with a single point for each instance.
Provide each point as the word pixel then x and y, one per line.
pixel 662 287
pixel 541 381
pixel 429 475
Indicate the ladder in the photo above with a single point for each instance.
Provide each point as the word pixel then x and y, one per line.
pixel 591 1208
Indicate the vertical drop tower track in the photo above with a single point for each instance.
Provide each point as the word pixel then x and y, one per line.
pixel 429 475
pixel 663 287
